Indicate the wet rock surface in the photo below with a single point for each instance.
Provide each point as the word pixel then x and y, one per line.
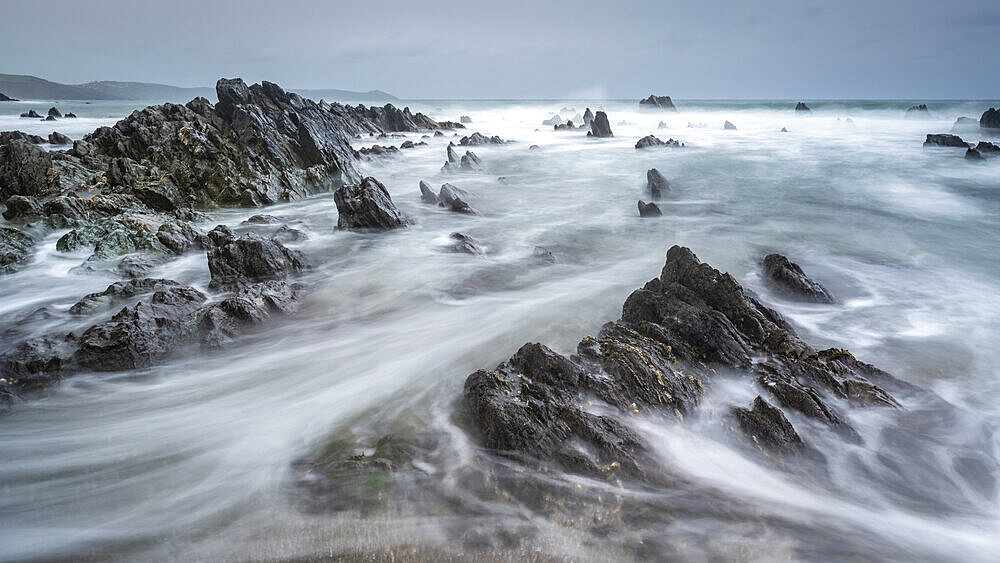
pixel 366 206
pixel 789 279
pixel 15 248
pixel 656 183
pixel 649 209
pixel 675 338
pixel 600 127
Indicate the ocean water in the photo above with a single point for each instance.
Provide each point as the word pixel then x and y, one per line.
pixel 196 458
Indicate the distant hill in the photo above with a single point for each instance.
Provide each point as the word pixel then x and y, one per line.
pixel 33 88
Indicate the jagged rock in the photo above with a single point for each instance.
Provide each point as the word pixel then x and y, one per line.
pixel 5 98
pixel 53 112
pixel 7 136
pixel 21 208
pixel 262 219
pixel 57 138
pixel 252 258
pixel 31 113
pixel 70 115
pixel 801 106
pixel 221 235
pixel 453 157
pixel 388 118
pixel 15 248
pixel 111 237
pixel 945 140
pixel 470 161
pixel 406 145
pixel 24 169
pixel 35 364
pixel 427 195
pixel 177 237
pixel 451 197
pixel 136 266
pixel 366 206
pixel 464 243
pixel 973 154
pixel 659 102
pixel 728 125
pixel 249 306
pixel 788 277
pixel 118 292
pixel 990 119
pixel 438 134
pixel 651 141
pixel 600 126
pixel 917 109
pixel 649 209
pixel 656 183
pixel 588 117
pixel 50 118
pixel 564 126
pixel 480 139
pixel 985 147
pixel 767 427
pixel 465 119
pixel 379 150
pixel 534 148
pixel 784 130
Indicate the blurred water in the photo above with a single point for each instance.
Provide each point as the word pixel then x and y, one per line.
pixel 193 458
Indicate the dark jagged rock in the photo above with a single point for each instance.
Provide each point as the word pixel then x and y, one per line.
pixel 801 106
pixel 784 129
pixel 600 127
pixel 24 169
pixel 178 237
pixel 118 292
pixel 651 141
pixel 70 115
pixel 7 136
pixel 465 244
pixel 140 335
pixel 729 126
pixel 53 112
pixel 5 98
pixel 427 195
pixel 262 219
pixel 470 161
pixel 221 235
pixel 674 336
pixel 31 113
pixel 453 157
pixel 136 266
pixel 480 139
pixel 388 118
pixel 916 110
pixel 986 147
pixel 251 258
pixel 50 118
pixel 788 277
pixel 57 138
pixel 973 154
pixel 379 150
pixel 15 248
pixel 768 428
pixel 21 208
pixel 35 364
pixel 649 209
pixel 945 140
pixel 588 117
pixel 251 305
pixel 659 102
pixel 451 197
pixel 366 206
pixel 111 237
pixel 656 183
pixel 990 119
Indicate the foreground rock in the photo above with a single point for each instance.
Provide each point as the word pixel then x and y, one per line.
pixel 15 248
pixel 789 278
pixel 945 140
pixel 600 127
pixel 656 183
pixel 366 207
pixel 240 261
pixel 674 336
pixel 658 102
pixel 649 209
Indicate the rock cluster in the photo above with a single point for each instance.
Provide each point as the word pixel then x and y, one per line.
pixel 659 102
pixel 600 127
pixel 652 141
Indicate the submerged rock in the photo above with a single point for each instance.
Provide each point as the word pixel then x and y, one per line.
pixel 118 292
pixel 30 113
pixel 973 154
pixel 649 209
pixel 600 127
pixel 465 244
pixel 249 306
pixel 656 183
pixel 465 119
pixel 659 102
pixel 366 206
pixel 470 161
pixel 674 336
pixel 945 140
pixel 788 277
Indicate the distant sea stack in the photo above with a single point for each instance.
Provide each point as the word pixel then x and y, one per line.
pixel 658 102
pixel 990 119
pixel 917 110
pixel 801 106
pixel 6 98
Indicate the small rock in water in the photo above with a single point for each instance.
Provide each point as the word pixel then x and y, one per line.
pixel 649 209
pixel 450 196
pixel 656 183
pixel 30 113
pixel 427 195
pixel 600 127
pixel 470 161
pixel 917 110
pixel 57 138
pixel 366 207
pixel 801 106
pixel 464 243
pixel 651 141
pixel 465 119
pixel 729 125
pixel 588 117
pixel 262 219
pixel 945 140
pixel 792 281
pixel 659 102
pixel 53 112
pixel 990 119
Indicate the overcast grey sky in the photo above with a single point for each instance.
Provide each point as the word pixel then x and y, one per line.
pixel 521 49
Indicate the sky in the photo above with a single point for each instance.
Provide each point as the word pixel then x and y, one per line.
pixel 719 49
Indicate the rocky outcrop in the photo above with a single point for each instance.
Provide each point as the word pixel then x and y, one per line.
pixel 588 117
pixel 470 162
pixel 57 138
pixel 600 127
pixel 240 261
pixel 15 248
pixel 366 207
pixel 650 141
pixel 965 124
pixel 674 337
pixel 788 278
pixel 649 209
pixel 480 139
pixel 990 119
pixel 986 147
pixel 917 110
pixel 31 113
pixel 973 154
pixel 451 197
pixel 656 183
pixel 801 106
pixel 357 120
pixel 7 136
pixel 427 194
pixel 53 112
pixel 728 125
pixel 658 102
pixel 945 140
pixel 5 98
